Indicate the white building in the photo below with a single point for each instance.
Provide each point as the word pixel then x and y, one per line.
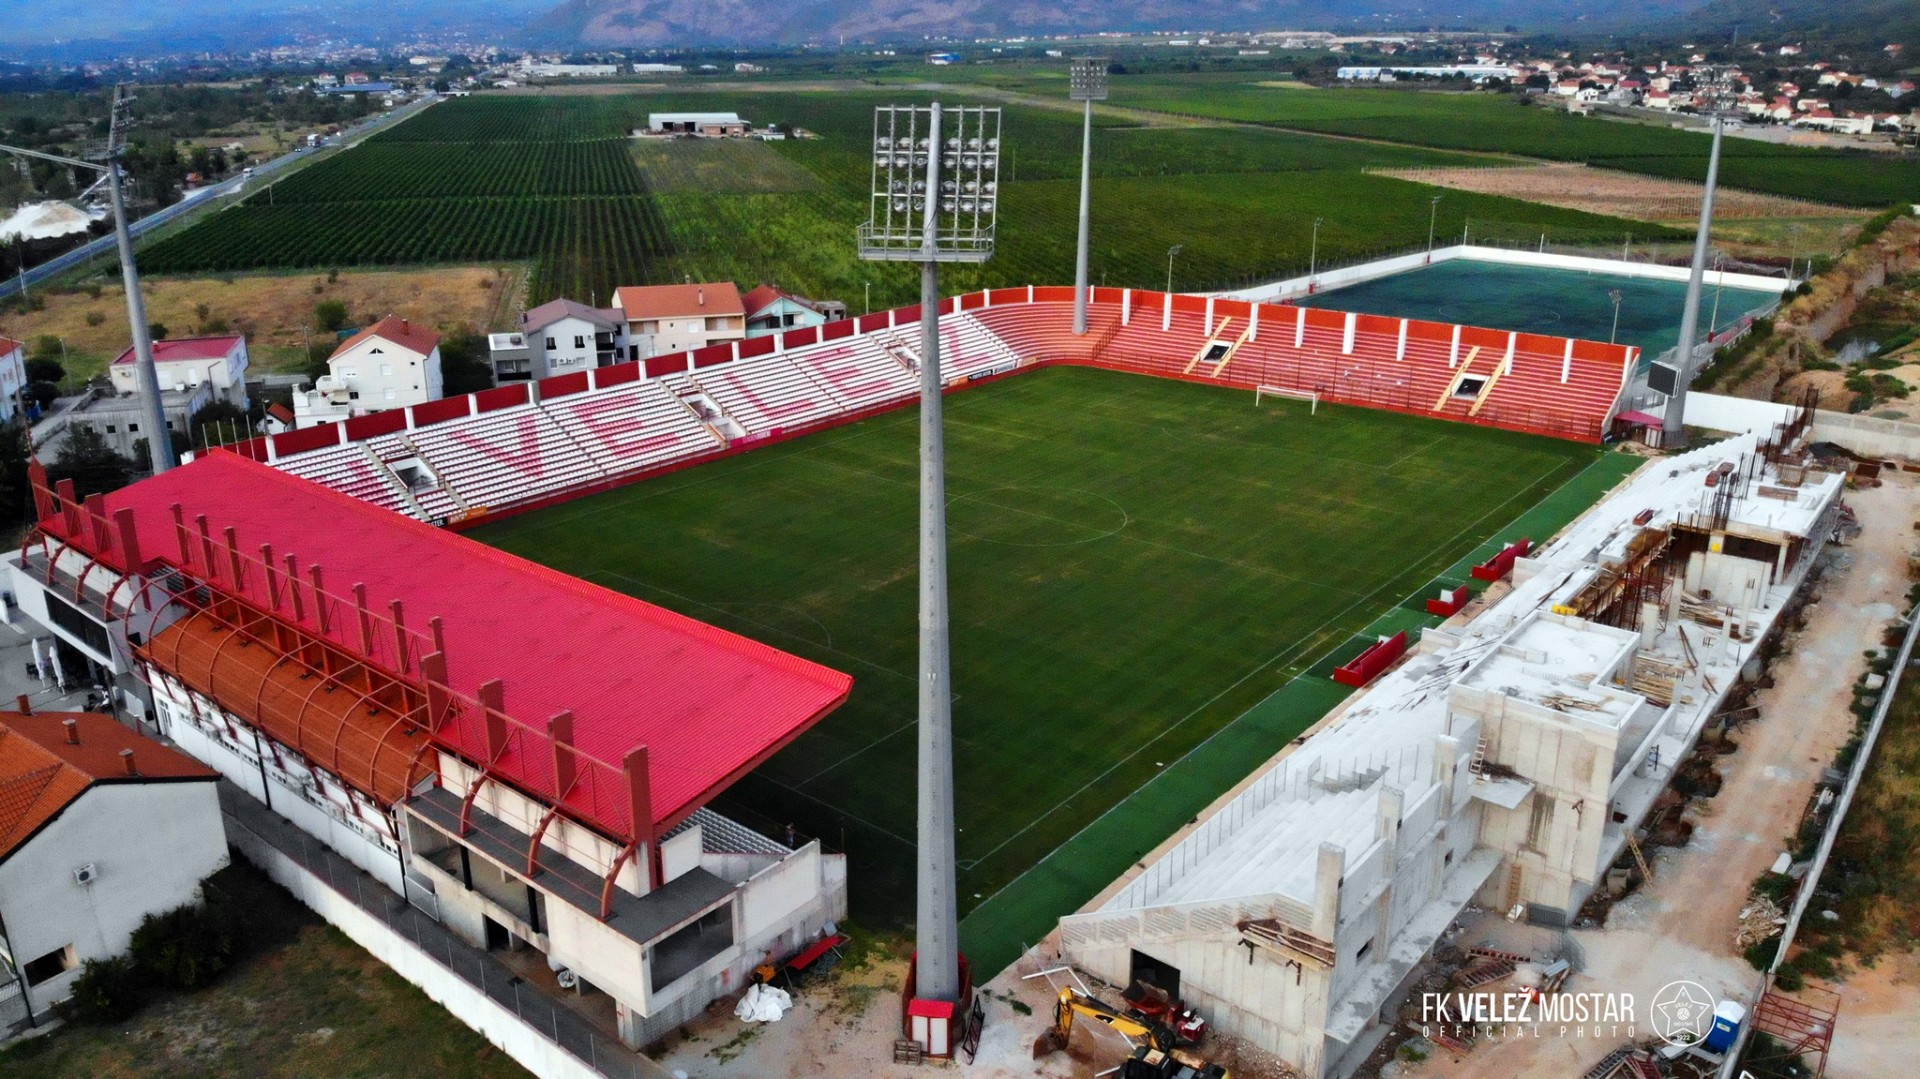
pixel 711 125
pixel 186 363
pixel 661 319
pixel 390 364
pixel 99 827
pixel 559 337
pixel 13 378
pixel 1504 763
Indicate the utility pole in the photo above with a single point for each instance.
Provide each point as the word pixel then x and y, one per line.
pixel 932 220
pixel 1087 84
pixel 1673 429
pixel 1172 251
pixel 1614 336
pixel 1313 254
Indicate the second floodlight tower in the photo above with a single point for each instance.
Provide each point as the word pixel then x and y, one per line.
pixel 1087 84
pixel 934 198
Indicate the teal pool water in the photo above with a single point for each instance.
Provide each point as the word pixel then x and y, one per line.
pixel 1573 303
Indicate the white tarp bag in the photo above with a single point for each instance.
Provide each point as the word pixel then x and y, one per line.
pixel 763 1004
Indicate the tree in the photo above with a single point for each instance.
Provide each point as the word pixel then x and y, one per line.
pixel 218 422
pixel 94 466
pixel 43 393
pixel 40 369
pixel 330 316
pixel 157 331
pixel 15 499
pixel 318 353
pixel 46 346
pixel 463 363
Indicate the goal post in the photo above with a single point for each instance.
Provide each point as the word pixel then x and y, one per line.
pixel 1261 393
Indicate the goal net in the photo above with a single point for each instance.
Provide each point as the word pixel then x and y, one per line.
pixel 1261 393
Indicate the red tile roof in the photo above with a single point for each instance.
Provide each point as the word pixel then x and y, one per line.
pixel 280 412
pixel 766 296
pixel 713 298
pixel 186 348
pixel 403 332
pixel 8 344
pixel 709 705
pixel 41 773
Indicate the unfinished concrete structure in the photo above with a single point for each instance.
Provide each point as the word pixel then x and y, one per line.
pixel 1506 761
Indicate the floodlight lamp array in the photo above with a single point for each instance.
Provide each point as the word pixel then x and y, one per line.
pixel 958 180
pixel 1087 81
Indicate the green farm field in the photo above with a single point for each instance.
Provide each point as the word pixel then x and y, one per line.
pixel 1136 564
pixel 1497 123
pixel 554 180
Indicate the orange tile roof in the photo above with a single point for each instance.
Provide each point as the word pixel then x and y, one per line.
pixel 714 298
pixel 403 332
pixel 42 773
pixel 8 344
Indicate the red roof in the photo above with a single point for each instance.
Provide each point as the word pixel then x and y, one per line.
pixel 42 773
pixel 714 298
pixel 8 344
pixel 187 348
pixel 280 412
pixel 709 705
pixel 403 332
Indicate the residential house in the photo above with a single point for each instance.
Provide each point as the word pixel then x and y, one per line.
pixel 559 337
pixel 679 318
pixel 769 310
pixel 194 372
pixel 391 364
pixel 13 378
pixel 99 828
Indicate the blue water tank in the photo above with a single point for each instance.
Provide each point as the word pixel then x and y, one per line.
pixel 1727 1017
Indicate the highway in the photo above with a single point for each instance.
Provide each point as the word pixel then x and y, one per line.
pixel 104 245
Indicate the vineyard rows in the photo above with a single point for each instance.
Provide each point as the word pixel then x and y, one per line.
pixel 466 170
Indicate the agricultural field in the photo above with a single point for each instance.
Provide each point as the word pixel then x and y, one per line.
pixel 555 181
pixel 466 181
pixel 1499 124
pixel 1135 564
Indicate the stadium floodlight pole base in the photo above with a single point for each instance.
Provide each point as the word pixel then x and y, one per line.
pixel 1080 251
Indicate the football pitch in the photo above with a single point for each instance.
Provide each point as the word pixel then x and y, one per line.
pixel 1147 577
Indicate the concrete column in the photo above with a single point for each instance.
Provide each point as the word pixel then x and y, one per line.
pixel 1326 891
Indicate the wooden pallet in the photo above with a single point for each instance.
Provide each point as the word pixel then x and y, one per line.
pixel 1489 972
pixel 1494 953
pixel 908 1051
pixel 1608 1066
pixel 1642 1067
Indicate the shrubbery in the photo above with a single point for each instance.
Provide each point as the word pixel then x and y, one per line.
pixel 184 949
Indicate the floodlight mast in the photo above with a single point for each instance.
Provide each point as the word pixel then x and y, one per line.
pixel 1087 84
pixel 1673 428
pixel 955 224
pixel 160 444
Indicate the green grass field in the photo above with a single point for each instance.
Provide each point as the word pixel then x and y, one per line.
pixel 555 180
pixel 1496 123
pixel 1136 563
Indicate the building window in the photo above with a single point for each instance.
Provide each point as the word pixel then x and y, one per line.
pixel 133 428
pixel 386 370
pixel 349 372
pixel 550 345
pixel 579 341
pixel 113 428
pixel 51 965
pixel 392 394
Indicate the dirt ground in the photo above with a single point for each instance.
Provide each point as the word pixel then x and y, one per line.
pixel 1682 924
pixel 273 310
pixel 1875 1035
pixel 1618 194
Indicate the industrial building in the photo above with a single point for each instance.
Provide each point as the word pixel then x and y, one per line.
pixel 1505 762
pixel 450 719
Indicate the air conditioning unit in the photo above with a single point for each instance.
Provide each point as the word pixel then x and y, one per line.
pixel 85 875
pixel 566 977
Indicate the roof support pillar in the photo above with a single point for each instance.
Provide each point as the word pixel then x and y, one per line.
pixel 129 540
pixel 640 810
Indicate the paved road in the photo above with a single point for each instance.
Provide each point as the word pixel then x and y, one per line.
pixel 208 195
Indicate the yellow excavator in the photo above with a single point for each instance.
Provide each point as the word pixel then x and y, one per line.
pixel 1159 1058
